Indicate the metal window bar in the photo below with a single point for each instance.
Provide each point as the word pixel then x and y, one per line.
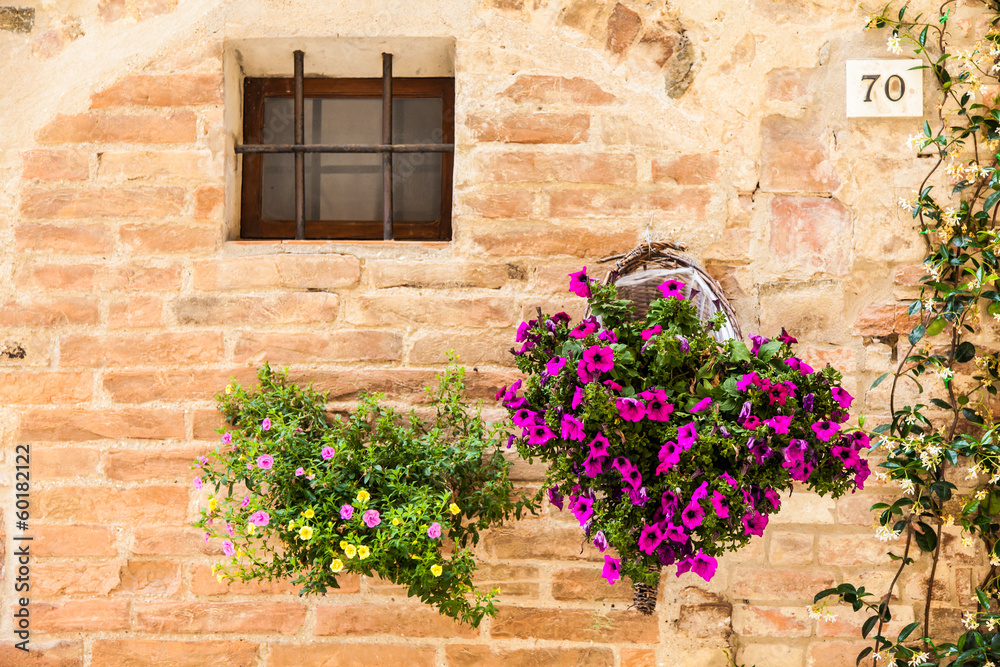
pixel 300 148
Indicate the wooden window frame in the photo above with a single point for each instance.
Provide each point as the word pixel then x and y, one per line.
pixel 256 90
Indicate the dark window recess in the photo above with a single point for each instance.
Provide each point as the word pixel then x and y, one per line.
pixel 352 159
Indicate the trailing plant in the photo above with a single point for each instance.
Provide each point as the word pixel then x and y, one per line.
pixel 953 434
pixel 298 495
pixel 668 446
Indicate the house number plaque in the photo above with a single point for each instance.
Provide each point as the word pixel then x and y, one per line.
pixel 885 88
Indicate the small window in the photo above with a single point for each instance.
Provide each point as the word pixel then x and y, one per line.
pixel 374 157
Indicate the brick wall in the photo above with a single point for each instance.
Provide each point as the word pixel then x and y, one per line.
pixel 582 126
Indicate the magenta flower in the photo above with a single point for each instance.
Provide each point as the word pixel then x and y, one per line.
pixel 433 532
pixel 346 512
pixel 593 466
pixel 228 549
pixel 649 333
pixel 630 409
pixel 265 461
pixel 612 385
pixel 657 408
pixel 327 452
pixel 612 569
pixel 754 524
pixel 197 483
pixel 266 424
pixel 578 397
pixel 582 508
pixel 245 501
pixel 744 383
pixel 842 397
pixel 601 541
pixel 650 538
pixel 299 472
pixel 227 437
pixel 785 338
pixel 779 423
pixel 720 505
pixel 772 497
pixel 702 565
pixel 687 435
pixel 700 493
pixel 371 518
pixel 579 283
pixel 586 375
pixel 600 359
pixel 522 332
pixel 260 518
pixel 672 289
pixel 572 428
pixel 524 417
pixel 702 404
pixel 692 516
pixel 674 533
pixel 229 530
pixel 555 366
pixel 670 455
pixel 599 445
pixel 608 336
pixel 825 429
pixel 751 422
pixel 583 329
pixel 728 479
pixel 539 434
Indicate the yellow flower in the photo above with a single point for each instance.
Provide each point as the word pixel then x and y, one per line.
pixel 436 570
pixel 309 513
pixel 220 577
pixel 350 551
pixel 454 509
pixel 396 522
pixel 363 496
pixel 291 525
pixel 364 552
pixel 229 388
pixel 337 565
pixel 343 545
pixel 251 529
pixel 212 504
pixel 306 532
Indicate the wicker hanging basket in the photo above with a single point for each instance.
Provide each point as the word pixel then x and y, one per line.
pixel 637 276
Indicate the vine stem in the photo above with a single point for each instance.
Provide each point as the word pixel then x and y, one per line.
pixel 892 584
pixel 930 582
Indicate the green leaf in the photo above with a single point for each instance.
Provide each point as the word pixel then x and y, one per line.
pixel 768 350
pixel 879 380
pixel 907 631
pixel 869 624
pixel 740 351
pixel 926 540
pixel 941 404
pixel 966 352
pixel 991 200
pixel 936 326
pixel 916 334
pixel 983 599
pixel 923 36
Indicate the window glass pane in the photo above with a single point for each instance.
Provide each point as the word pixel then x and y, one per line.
pixel 278 186
pixel 416 177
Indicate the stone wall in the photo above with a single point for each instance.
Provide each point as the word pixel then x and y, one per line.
pixel 582 127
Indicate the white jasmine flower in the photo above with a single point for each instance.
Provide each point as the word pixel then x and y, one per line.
pixel 969 620
pixel 894 45
pixel 995 560
pixel 918 658
pixel 916 141
pixel 885 533
pixel 906 205
pixel 907 485
pixel 966 541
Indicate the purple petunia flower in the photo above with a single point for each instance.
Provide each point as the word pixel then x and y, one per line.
pixel 728 479
pixel 612 385
pixel 650 538
pixel 702 565
pixel 555 498
pixel 685 345
pixel 572 428
pixel 687 435
pixel 700 493
pixel 657 408
pixel 524 417
pixel 608 336
pixel 825 429
pixel 555 366
pixel 599 445
pixel 744 383
pixel 702 404
pixel 582 508
pixel 785 338
pixel 600 541
pixel 593 466
pixel 720 505
pixel 579 283
pixel 586 375
pixel 672 289
pixel 612 569
pixel 751 423
pixel 779 423
pixel 842 397
pixel 578 397
pixel 327 452
pixel 539 434
pixel 599 359
pixel 692 516
pixel 757 342
pixel 630 409
pixel 522 332
pixel 673 533
pixel 584 329
pixel 669 456
pixel 649 333
pixel 754 524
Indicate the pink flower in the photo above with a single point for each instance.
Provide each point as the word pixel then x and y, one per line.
pixel 593 465
pixel 227 437
pixel 579 283
pixel 650 538
pixel 265 461
pixel 751 422
pixel 744 383
pixel 524 417
pixel 720 505
pixel 371 518
pixel 572 428
pixel 672 289
pixel 728 479
pixel 649 333
pixel 229 530
pixel 692 516
pixel 228 549
pixel 266 424
pixel 779 423
pixel 540 434
pixel 202 460
pixel 346 512
pixel 578 397
pixel 207 535
pixel 599 445
pixel 599 359
pixel 327 452
pixel 842 397
pixel 825 429
pixel 245 501
pixel 434 531
pixel 554 366
pixel 702 404
pixel 702 565
pixel 630 409
pixel 585 374
pixel 657 408
pixel 582 508
pixel 687 435
pixel 197 483
pixel 260 518
pixel 584 329
pixel 612 569
pixel 299 472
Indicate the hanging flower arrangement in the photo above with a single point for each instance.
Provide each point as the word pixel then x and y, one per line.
pixel 670 447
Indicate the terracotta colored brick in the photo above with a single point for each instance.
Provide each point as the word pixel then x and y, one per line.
pixel 149 577
pixel 204 582
pixel 155 165
pixel 146 277
pixel 174 90
pixel 403 310
pixel 556 90
pixel 208 201
pixel 111 10
pixel 659 43
pixel 432 348
pixel 142 238
pixel 575 625
pixel 156 653
pixel 351 655
pixel 43 654
pixel 689 203
pixel 782 585
pixel 177 128
pixel 536 539
pixel 206 423
pixel 853 550
pixel 623 26
pixel 512 580
pixel 835 653
pixel 339 345
pixel 126 349
pixel 844 360
pixel 39 388
pixel 762 621
pixel 146 504
pixel 855 510
pixel 538 167
pixel 264 309
pixel 319 272
pixel 687 170
pixel 590 203
pixel 405 621
pixel 638 657
pixel 194 617
pixel 170 541
pixel 586 584
pixel 64 462
pixel 72 541
pixel 49 312
pixel 79 616
pixel 793 158
pixel 347 384
pixel 473 655
pixel 530 128
pixel 533 241
pixel 152 202
pixel 47 238
pixel 394 273
pixel 910 275
pixel 791 548
pixel 56 165
pixel 500 204
pixel 808 234
pixel 848 623
pixel 59 579
pixel 146 386
pixel 51 276
pixel 788 84
pixel 705 621
pixel 130 465
pixel 135 312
